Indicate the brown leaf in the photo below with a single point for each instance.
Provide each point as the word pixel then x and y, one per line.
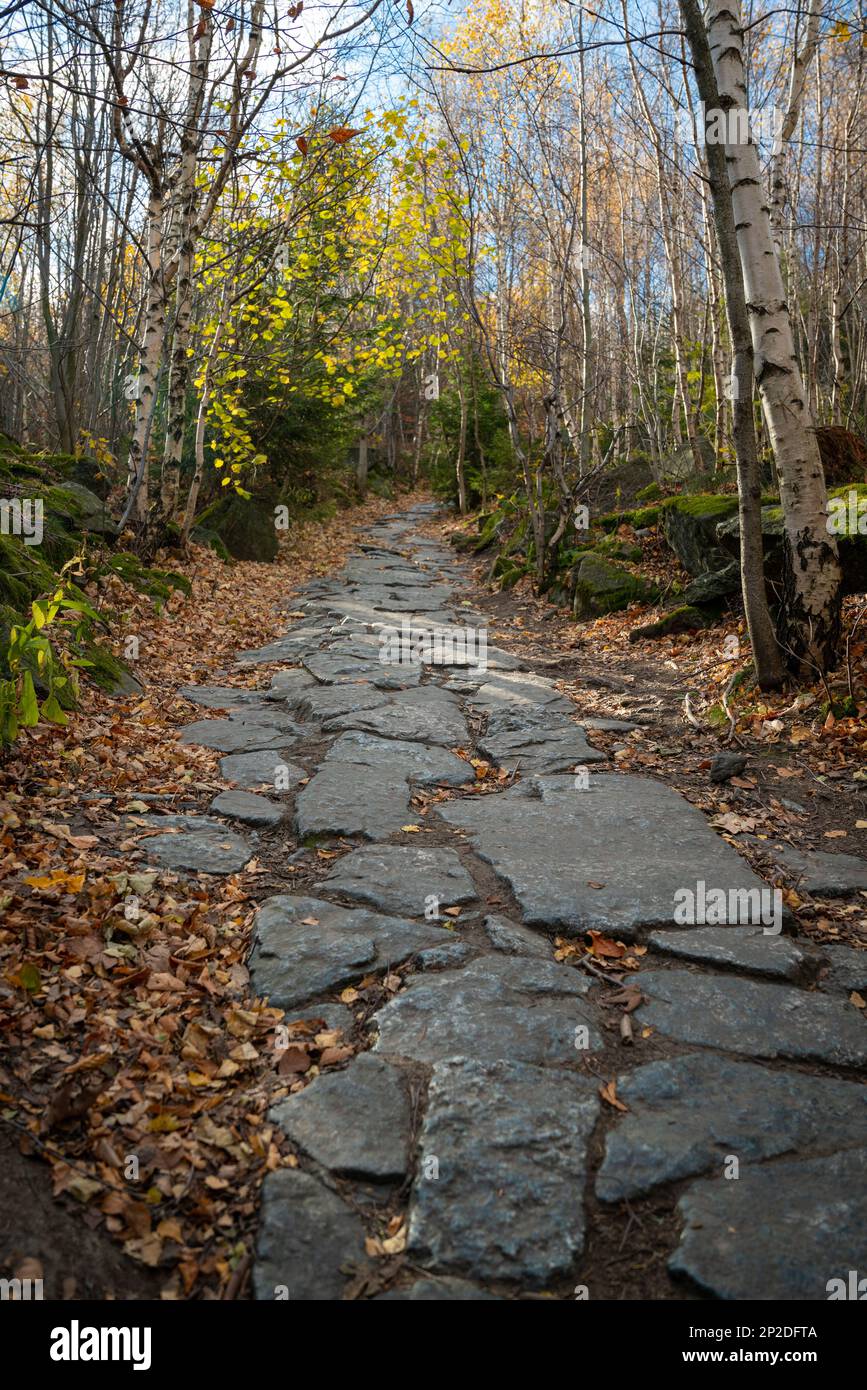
pixel 608 1092
pixel 294 1059
pixel 342 133
pixel 604 946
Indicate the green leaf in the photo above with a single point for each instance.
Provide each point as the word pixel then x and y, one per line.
pixel 30 978
pixel 51 710
pixel 28 705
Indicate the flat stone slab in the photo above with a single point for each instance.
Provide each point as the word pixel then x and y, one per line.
pixel 362 787
pixel 234 736
pixel 447 957
pixel 521 691
pixel 289 685
pixel 423 765
pixel 326 702
pixel 539 749
pixel 515 940
pixel 247 808
pixel 424 715
pixel 612 856
pixel 496 1007
pixel 510 1144
pixel 743 948
pixel 305 947
pixel 752 1017
pixel 199 844
pixel 403 879
pixel 353 1122
pixel 260 770
pixel 847 969
pixel 778 1233
pixel 686 1115
pixel 289 648
pixel 351 799
pixel 333 668
pixel 219 696
pixel 820 873
pixel 309 1241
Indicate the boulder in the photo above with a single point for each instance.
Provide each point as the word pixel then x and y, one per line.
pixel 690 525
pixel 714 585
pixel 601 586
pixel 245 527
pixel 851 512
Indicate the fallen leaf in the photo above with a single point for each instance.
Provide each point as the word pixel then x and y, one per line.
pixel 608 1092
pixel 604 946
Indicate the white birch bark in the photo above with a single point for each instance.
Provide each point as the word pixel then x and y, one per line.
pixel 811 620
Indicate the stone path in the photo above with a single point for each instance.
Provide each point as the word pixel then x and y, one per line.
pixel 475 1108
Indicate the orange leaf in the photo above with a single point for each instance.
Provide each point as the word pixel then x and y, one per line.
pixel 341 134
pixel 608 1092
pixel 603 946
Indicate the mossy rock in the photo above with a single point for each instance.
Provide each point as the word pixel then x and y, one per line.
pixel 613 548
pixel 506 572
pixel 690 525
pixel 638 517
pixel 714 586
pixel 203 536
pixel 156 583
pixel 683 619
pixel 601 586
pixel 851 536
pixel 244 525
pixel 24 573
pixel 652 493
pixel 106 671
pixel 80 508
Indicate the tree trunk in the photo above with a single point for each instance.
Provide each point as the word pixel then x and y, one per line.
pixel 361 467
pixel 152 340
pixel 810 629
pixel 460 472
pixel 766 653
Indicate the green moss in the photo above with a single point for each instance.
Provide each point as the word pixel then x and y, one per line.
pixel 106 671
pixel 156 583
pixel 604 587
pixel 615 549
pixel 639 517
pixel 24 573
pixel 704 505
pixel 651 493
pixel 203 536
pixel 507 571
